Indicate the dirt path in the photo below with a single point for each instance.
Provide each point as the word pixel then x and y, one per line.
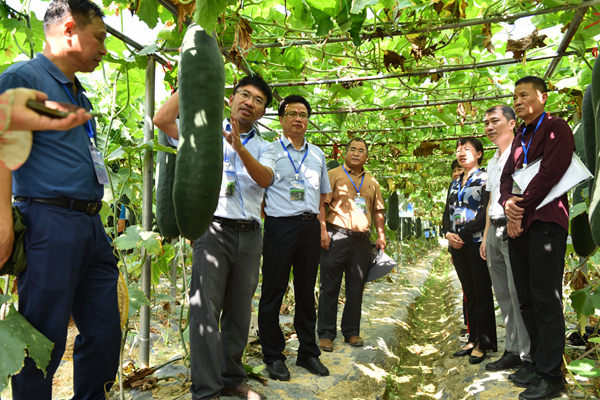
pixel 355 373
pixel 410 325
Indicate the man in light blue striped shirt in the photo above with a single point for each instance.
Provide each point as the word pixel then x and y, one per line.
pixel 293 237
pixel 227 256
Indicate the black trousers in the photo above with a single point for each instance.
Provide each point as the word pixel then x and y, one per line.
pixel 537 259
pixel 347 256
pixel 289 242
pixel 475 279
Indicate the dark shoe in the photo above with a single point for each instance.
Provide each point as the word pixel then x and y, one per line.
pixel 355 341
pixel 314 365
pixel 277 370
pixel 541 389
pixel 326 345
pixel 507 361
pixel 462 353
pixel 524 375
pixel 477 359
pixel 243 391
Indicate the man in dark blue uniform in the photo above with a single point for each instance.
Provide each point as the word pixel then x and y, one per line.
pixel 70 268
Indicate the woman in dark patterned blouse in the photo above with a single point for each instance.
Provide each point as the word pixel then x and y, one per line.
pixel 464 222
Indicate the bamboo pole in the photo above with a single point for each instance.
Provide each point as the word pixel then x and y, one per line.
pixel 148 186
pixel 568 36
pixel 125 39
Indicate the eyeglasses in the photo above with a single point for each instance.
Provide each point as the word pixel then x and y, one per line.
pixel 295 114
pixel 466 149
pixel 355 150
pixel 257 100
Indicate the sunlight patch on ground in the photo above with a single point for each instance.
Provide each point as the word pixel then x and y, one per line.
pixel 372 371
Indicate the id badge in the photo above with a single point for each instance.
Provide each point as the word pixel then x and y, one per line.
pixel 460 216
pixel 361 206
pixel 297 189
pixel 228 184
pixel 99 166
pixel 515 188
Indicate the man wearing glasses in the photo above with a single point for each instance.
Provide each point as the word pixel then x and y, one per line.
pixel 345 243
pixel 227 257
pixel 292 237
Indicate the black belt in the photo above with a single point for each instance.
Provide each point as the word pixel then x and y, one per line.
pixel 358 235
pixel 499 221
pixel 237 224
pixel 87 207
pixel 305 216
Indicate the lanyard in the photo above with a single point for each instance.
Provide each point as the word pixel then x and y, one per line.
pixel 292 161
pixel 88 124
pixel 526 149
pixel 353 184
pixel 227 154
pixel 461 194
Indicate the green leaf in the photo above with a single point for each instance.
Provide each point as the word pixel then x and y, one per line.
pixel 585 368
pixel 300 11
pixel 327 6
pixel 323 22
pixel 148 12
pixel 585 303
pixel 446 116
pixel 4 298
pixel 360 5
pixel 151 243
pixel 344 19
pixel 134 237
pixel 357 23
pixel 152 48
pixel 116 154
pixel 207 13
pixel 577 209
pixel 17 336
pixel 130 238
pixel 160 147
pixel 137 299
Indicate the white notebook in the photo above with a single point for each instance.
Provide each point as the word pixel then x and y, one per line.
pixel 576 174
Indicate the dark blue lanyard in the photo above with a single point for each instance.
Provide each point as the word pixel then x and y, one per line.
pixel 88 124
pixel 461 195
pixel 353 184
pixel 526 149
pixel 292 161
pixel 227 155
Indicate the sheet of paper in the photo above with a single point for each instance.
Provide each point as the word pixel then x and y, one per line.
pixel 576 174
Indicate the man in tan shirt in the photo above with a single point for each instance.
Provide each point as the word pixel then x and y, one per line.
pixel 355 199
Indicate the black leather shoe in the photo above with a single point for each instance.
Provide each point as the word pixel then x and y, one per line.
pixel 541 389
pixel 524 375
pixel 277 370
pixel 476 359
pixel 462 353
pixel 507 361
pixel 314 365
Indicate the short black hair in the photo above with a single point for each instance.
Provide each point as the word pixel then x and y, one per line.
pixel 258 82
pixel 294 98
pixel 83 11
pixel 454 165
pixel 357 139
pixel 473 141
pixel 538 83
pixel 507 111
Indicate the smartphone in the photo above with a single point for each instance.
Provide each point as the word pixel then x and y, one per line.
pixel 51 112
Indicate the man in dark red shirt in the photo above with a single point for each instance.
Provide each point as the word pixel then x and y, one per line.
pixel 537 242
